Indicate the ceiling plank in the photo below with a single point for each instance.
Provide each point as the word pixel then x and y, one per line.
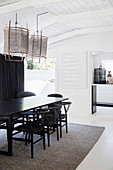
pixel 85 15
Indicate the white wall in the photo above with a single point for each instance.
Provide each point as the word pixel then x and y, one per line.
pixel 81 98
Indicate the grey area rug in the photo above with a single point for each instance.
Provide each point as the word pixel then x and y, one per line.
pixel 65 154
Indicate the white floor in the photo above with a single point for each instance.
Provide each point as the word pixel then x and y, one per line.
pixel 101 155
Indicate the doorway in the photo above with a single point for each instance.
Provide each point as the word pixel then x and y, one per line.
pixel 40 77
pixel 104 91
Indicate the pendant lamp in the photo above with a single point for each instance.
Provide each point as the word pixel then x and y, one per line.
pixel 38 44
pixel 16 42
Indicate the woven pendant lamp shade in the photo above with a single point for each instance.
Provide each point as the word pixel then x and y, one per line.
pixel 16 42
pixel 38 44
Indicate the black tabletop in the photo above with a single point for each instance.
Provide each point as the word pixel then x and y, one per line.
pixel 10 107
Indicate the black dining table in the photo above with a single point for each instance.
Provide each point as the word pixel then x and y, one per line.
pixel 12 107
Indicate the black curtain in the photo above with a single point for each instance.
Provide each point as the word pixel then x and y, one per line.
pixel 11 78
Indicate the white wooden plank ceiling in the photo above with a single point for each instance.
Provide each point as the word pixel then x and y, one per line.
pixel 8 2
pixel 65 18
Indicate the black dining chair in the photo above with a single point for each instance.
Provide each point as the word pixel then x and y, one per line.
pixel 31 128
pixel 51 122
pixel 55 95
pixel 65 105
pixel 19 118
pixel 25 94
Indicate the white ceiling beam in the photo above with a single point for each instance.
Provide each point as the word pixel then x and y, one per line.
pixel 25 4
pixel 77 16
pixel 48 22
pixel 79 32
pixel 13 7
pixel 85 15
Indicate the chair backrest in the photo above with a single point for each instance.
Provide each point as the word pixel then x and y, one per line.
pixel 53 116
pixel 55 95
pixel 25 94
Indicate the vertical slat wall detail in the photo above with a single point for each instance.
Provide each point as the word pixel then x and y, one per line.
pixel 73 71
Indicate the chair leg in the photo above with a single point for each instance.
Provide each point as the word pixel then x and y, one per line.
pixel 66 125
pixel 29 138
pixel 60 129
pixel 44 146
pixel 31 145
pixel 48 136
pixel 26 138
pixel 57 133
pixel 7 130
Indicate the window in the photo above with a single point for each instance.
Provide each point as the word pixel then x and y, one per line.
pixel 40 77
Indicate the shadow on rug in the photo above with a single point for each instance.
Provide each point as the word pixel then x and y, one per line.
pixel 65 154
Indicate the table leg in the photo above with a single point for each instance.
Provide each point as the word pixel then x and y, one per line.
pixel 9 136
